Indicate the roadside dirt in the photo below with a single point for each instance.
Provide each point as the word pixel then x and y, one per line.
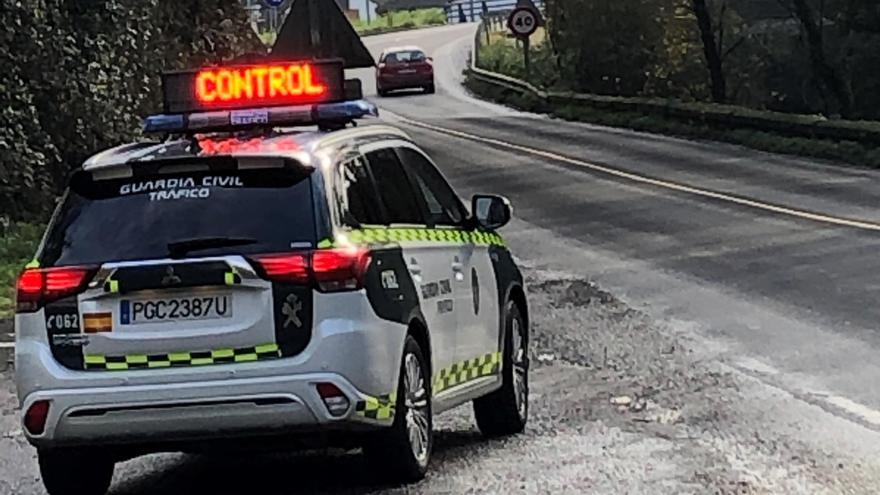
pixel 619 404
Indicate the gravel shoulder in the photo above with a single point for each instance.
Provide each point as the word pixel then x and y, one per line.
pixel 620 403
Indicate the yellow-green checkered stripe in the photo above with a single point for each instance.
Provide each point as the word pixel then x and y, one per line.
pixel 381 407
pixel 465 371
pixel 444 236
pixel 175 359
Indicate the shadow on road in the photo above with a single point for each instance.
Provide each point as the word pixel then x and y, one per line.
pixel 277 474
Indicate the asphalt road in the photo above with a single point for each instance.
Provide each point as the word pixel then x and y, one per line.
pixel 774 256
pixel 729 349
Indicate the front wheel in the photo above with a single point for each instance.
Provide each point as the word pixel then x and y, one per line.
pixel 75 472
pixel 506 411
pixel 403 451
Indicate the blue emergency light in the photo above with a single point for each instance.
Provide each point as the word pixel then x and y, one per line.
pixel 276 94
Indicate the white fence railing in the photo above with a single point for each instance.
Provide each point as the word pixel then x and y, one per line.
pixel 473 9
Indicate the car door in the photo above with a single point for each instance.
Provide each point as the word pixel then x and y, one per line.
pixel 473 282
pixel 428 258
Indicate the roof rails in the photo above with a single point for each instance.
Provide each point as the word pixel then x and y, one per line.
pixel 327 116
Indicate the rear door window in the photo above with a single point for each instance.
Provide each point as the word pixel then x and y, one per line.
pixel 395 190
pixel 257 211
pixel 359 198
pixel 443 205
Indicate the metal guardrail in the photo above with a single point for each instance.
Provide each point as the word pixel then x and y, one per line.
pixel 726 117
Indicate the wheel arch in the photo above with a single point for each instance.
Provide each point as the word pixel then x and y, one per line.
pixel 419 331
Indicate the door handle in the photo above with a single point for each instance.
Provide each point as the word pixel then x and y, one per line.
pixel 414 267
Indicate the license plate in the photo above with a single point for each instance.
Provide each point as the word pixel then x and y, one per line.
pixel 157 310
pixel 407 71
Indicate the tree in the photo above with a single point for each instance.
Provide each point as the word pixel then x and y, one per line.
pixel 830 77
pixel 78 76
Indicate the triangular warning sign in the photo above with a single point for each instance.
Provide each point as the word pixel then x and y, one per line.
pixel 318 29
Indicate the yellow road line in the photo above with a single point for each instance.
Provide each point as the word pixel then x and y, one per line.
pixel 706 193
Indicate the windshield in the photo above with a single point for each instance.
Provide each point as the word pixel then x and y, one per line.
pixel 201 214
pixel 405 57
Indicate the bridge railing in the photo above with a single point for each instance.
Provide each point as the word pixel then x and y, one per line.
pixel 473 9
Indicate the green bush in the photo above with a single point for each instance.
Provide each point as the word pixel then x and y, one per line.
pixel 401 20
pixel 18 242
pixel 78 77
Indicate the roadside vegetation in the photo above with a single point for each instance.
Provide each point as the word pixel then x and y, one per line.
pixel 401 21
pixel 815 61
pixel 17 245
pixel 78 77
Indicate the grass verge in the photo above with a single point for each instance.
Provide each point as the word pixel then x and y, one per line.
pixel 18 242
pixel 400 21
pixel 844 151
pixel 388 23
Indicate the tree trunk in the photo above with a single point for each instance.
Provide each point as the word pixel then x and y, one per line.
pixel 711 51
pixel 824 71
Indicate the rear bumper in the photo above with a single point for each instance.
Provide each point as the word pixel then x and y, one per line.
pixel 387 83
pixel 351 348
pixel 210 410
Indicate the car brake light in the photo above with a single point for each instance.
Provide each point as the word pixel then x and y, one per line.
pixel 340 269
pixel 332 270
pixel 293 268
pixel 35 417
pixel 335 401
pixel 37 287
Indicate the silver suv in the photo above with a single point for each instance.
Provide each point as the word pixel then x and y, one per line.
pixel 264 288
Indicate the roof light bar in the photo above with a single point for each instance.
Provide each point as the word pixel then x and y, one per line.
pixel 231 120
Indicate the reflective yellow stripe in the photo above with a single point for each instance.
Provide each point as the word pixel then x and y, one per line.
pixel 229 278
pixel 32 264
pixel 223 353
pixel 465 371
pixel 203 358
pixel 443 235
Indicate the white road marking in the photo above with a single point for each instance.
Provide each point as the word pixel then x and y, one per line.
pixel 764 371
pixel 7 345
pixel 864 412
pixel 684 188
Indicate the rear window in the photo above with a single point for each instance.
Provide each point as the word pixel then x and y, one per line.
pixel 404 57
pixel 259 211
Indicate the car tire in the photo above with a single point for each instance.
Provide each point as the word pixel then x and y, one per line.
pixel 430 89
pixel 506 410
pixel 402 452
pixel 75 472
pixel 382 92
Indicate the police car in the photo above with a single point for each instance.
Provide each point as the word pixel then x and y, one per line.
pixel 267 272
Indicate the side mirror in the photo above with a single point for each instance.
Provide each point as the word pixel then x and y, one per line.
pixel 491 212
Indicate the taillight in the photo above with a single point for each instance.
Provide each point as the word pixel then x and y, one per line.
pixel 335 401
pixel 340 269
pixel 35 417
pixel 331 270
pixel 293 268
pixel 37 287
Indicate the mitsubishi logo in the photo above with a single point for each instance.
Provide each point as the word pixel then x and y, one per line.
pixel 290 309
pixel 170 277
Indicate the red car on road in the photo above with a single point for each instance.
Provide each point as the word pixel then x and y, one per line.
pixel 404 67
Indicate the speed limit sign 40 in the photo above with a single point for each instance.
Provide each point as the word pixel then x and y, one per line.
pixel 523 22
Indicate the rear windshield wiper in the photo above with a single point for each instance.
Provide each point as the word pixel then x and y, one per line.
pixel 183 247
